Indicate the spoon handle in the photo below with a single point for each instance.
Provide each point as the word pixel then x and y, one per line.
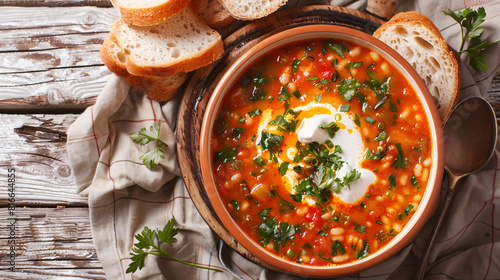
pixel 420 273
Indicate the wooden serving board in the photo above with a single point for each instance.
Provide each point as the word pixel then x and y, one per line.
pixel 199 89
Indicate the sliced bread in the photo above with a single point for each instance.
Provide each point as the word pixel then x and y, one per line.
pixel 212 13
pixel 419 41
pixel 181 44
pixel 157 88
pixel 252 9
pixel 147 13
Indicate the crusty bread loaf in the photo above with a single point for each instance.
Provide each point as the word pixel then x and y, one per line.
pixel 157 88
pixel 419 41
pixel 181 44
pixel 148 12
pixel 251 9
pixel 212 13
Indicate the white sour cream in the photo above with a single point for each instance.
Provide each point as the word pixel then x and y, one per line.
pixel 349 139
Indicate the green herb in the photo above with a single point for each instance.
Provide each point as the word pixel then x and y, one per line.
pixel 295 65
pixel 470 20
pixel 330 128
pixel 362 253
pixel 143 137
pixel 260 162
pixel 310 58
pixel 347 88
pixel 271 142
pixel 226 155
pixel 408 209
pixel 264 213
pixel 283 168
pixel 344 107
pixel 361 229
pixel 242 120
pixel 259 81
pixel 400 161
pixel 381 136
pixel 150 242
pixel 392 181
pixel 391 232
pixel 337 245
pixel 257 95
pixel 290 253
pixel 413 180
pixel 312 78
pixel 280 234
pixel 297 94
pixel 381 236
pixel 370 66
pixel 370 120
pixel 235 204
pixel 254 113
pixel 392 106
pixel 337 48
pixel 380 89
pixel 356 120
pixel 379 222
pixel 324 81
pixel 284 95
pixel 377 155
pixel 355 64
pixel 322 233
pixel 318 98
pixel 237 131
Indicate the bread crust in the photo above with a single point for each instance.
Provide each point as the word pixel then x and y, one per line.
pixel 151 85
pixel 148 16
pixel 416 21
pixel 238 10
pixel 212 13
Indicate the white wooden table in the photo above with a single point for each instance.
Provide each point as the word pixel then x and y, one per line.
pixel 50 71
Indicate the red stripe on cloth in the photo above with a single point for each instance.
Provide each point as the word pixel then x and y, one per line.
pixel 242 270
pixel 152 108
pixel 114 200
pixel 492 219
pixel 93 132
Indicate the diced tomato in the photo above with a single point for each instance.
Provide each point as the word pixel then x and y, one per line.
pixel 313 215
pixel 326 71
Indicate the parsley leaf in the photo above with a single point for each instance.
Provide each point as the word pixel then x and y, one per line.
pixel 283 168
pixel 470 20
pixel 150 242
pixel 400 158
pixel 362 253
pixel 347 88
pixel 143 137
pixel 271 142
pixel 226 155
pixel 330 128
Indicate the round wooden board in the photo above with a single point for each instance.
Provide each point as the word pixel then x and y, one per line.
pixel 203 81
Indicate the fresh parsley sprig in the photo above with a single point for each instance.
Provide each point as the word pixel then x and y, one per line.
pixel 150 242
pixel 469 21
pixel 143 137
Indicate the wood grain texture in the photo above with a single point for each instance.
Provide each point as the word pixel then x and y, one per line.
pixel 52 61
pixel 50 243
pixel 35 146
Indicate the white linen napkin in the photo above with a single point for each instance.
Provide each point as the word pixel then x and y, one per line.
pixel 124 196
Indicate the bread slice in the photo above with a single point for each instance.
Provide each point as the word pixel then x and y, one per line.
pixel 148 12
pixel 157 88
pixel 419 41
pixel 212 13
pixel 252 9
pixel 181 44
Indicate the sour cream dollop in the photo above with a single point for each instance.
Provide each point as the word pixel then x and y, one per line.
pixel 349 139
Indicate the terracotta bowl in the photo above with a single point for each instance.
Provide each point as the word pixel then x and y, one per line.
pixel 429 199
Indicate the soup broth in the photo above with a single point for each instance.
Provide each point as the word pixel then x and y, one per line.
pixel 321 152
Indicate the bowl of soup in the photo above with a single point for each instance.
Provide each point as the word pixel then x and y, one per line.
pixel 322 151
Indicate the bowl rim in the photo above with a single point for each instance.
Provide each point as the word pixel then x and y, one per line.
pixel 323 31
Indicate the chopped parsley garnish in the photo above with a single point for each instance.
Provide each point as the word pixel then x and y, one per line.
pixel 281 233
pixel 310 58
pixel 254 113
pixel 414 181
pixel 330 128
pixel 271 142
pixel 313 78
pixel 347 88
pixel 295 65
pixel 392 106
pixel 260 162
pixel 242 120
pixel 392 181
pixel 400 161
pixel 344 107
pixel 362 253
pixel 284 95
pixel 318 98
pixel 355 64
pixel 377 155
pixel 381 103
pixel 237 131
pixel 408 209
pixel 337 48
pixel 381 136
pixel 356 120
pixel 370 120
pixel 235 205
pixel 283 168
pixel 337 245
pixel 297 94
pixel 258 95
pixel 380 89
pixel 361 229
pixel 226 155
pixel 264 213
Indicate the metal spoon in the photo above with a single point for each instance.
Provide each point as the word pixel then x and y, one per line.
pixel 470 136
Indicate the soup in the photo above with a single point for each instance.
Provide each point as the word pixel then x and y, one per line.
pixel 321 152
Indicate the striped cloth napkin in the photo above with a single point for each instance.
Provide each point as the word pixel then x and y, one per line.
pixel 124 196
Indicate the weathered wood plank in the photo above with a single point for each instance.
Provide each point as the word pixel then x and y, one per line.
pixel 53 243
pixel 35 146
pixel 52 60
pixel 55 3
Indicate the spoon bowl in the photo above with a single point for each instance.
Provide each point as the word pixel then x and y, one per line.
pixel 470 136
